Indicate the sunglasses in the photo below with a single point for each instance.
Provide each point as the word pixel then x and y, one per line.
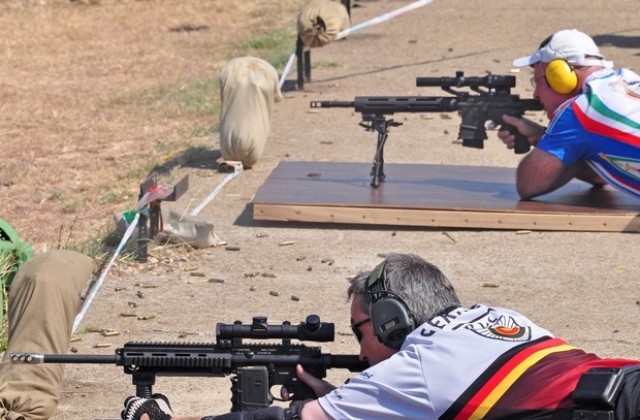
pixel 534 80
pixel 355 327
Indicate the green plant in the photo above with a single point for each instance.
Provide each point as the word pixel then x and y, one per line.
pixel 7 267
pixel 99 246
pixel 275 46
pixel 205 131
pixel 198 98
pixel 325 65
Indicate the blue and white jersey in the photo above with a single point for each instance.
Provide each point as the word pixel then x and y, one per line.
pixel 601 126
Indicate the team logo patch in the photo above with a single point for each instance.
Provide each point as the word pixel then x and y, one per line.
pixel 503 328
pixel 629 166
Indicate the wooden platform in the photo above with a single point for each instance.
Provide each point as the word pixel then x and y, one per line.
pixel 437 196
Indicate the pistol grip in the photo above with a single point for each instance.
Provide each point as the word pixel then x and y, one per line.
pixel 521 144
pixel 303 392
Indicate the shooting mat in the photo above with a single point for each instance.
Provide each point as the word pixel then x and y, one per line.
pixel 435 196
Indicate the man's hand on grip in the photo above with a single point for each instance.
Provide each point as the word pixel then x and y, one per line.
pixel 319 386
pixel 531 130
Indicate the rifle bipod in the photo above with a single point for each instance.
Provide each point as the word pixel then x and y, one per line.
pixel 381 125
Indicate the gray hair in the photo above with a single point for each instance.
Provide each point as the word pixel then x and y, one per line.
pixel 421 285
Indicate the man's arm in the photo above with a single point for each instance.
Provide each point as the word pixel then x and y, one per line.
pixel 312 410
pixel 541 172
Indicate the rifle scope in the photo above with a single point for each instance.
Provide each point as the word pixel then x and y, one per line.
pixel 490 81
pixel 312 330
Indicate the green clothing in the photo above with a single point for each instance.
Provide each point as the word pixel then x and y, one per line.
pixel 13 253
pixel 11 245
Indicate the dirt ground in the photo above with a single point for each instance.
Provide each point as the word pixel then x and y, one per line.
pixel 82 110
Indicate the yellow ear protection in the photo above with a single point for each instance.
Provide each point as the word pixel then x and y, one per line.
pixel 560 76
pixel 390 317
pixel 560 73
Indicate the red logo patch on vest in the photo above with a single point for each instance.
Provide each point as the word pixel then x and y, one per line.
pixel 503 328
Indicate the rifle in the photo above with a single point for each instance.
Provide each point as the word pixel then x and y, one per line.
pixel 255 367
pixel 492 99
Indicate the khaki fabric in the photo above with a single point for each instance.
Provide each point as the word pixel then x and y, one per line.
pixel 43 302
pixel 248 90
pixel 320 22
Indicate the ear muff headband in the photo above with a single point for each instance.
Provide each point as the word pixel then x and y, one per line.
pixel 546 54
pixel 390 317
pixel 561 76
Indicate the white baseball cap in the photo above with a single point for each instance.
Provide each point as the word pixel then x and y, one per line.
pixel 575 47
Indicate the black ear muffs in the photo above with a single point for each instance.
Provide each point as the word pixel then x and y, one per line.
pixel 561 76
pixel 390 317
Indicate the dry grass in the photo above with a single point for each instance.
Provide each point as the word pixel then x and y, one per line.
pixel 7 267
pixel 96 94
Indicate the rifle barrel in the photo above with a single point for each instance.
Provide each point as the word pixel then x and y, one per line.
pixel 332 104
pixel 32 358
pixel 353 363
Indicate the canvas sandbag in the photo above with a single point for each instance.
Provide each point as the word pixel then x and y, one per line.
pixel 248 89
pixel 320 21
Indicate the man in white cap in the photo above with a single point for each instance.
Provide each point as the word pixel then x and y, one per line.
pixel 594 114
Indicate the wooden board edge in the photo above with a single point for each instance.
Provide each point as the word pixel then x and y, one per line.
pixel 448 218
